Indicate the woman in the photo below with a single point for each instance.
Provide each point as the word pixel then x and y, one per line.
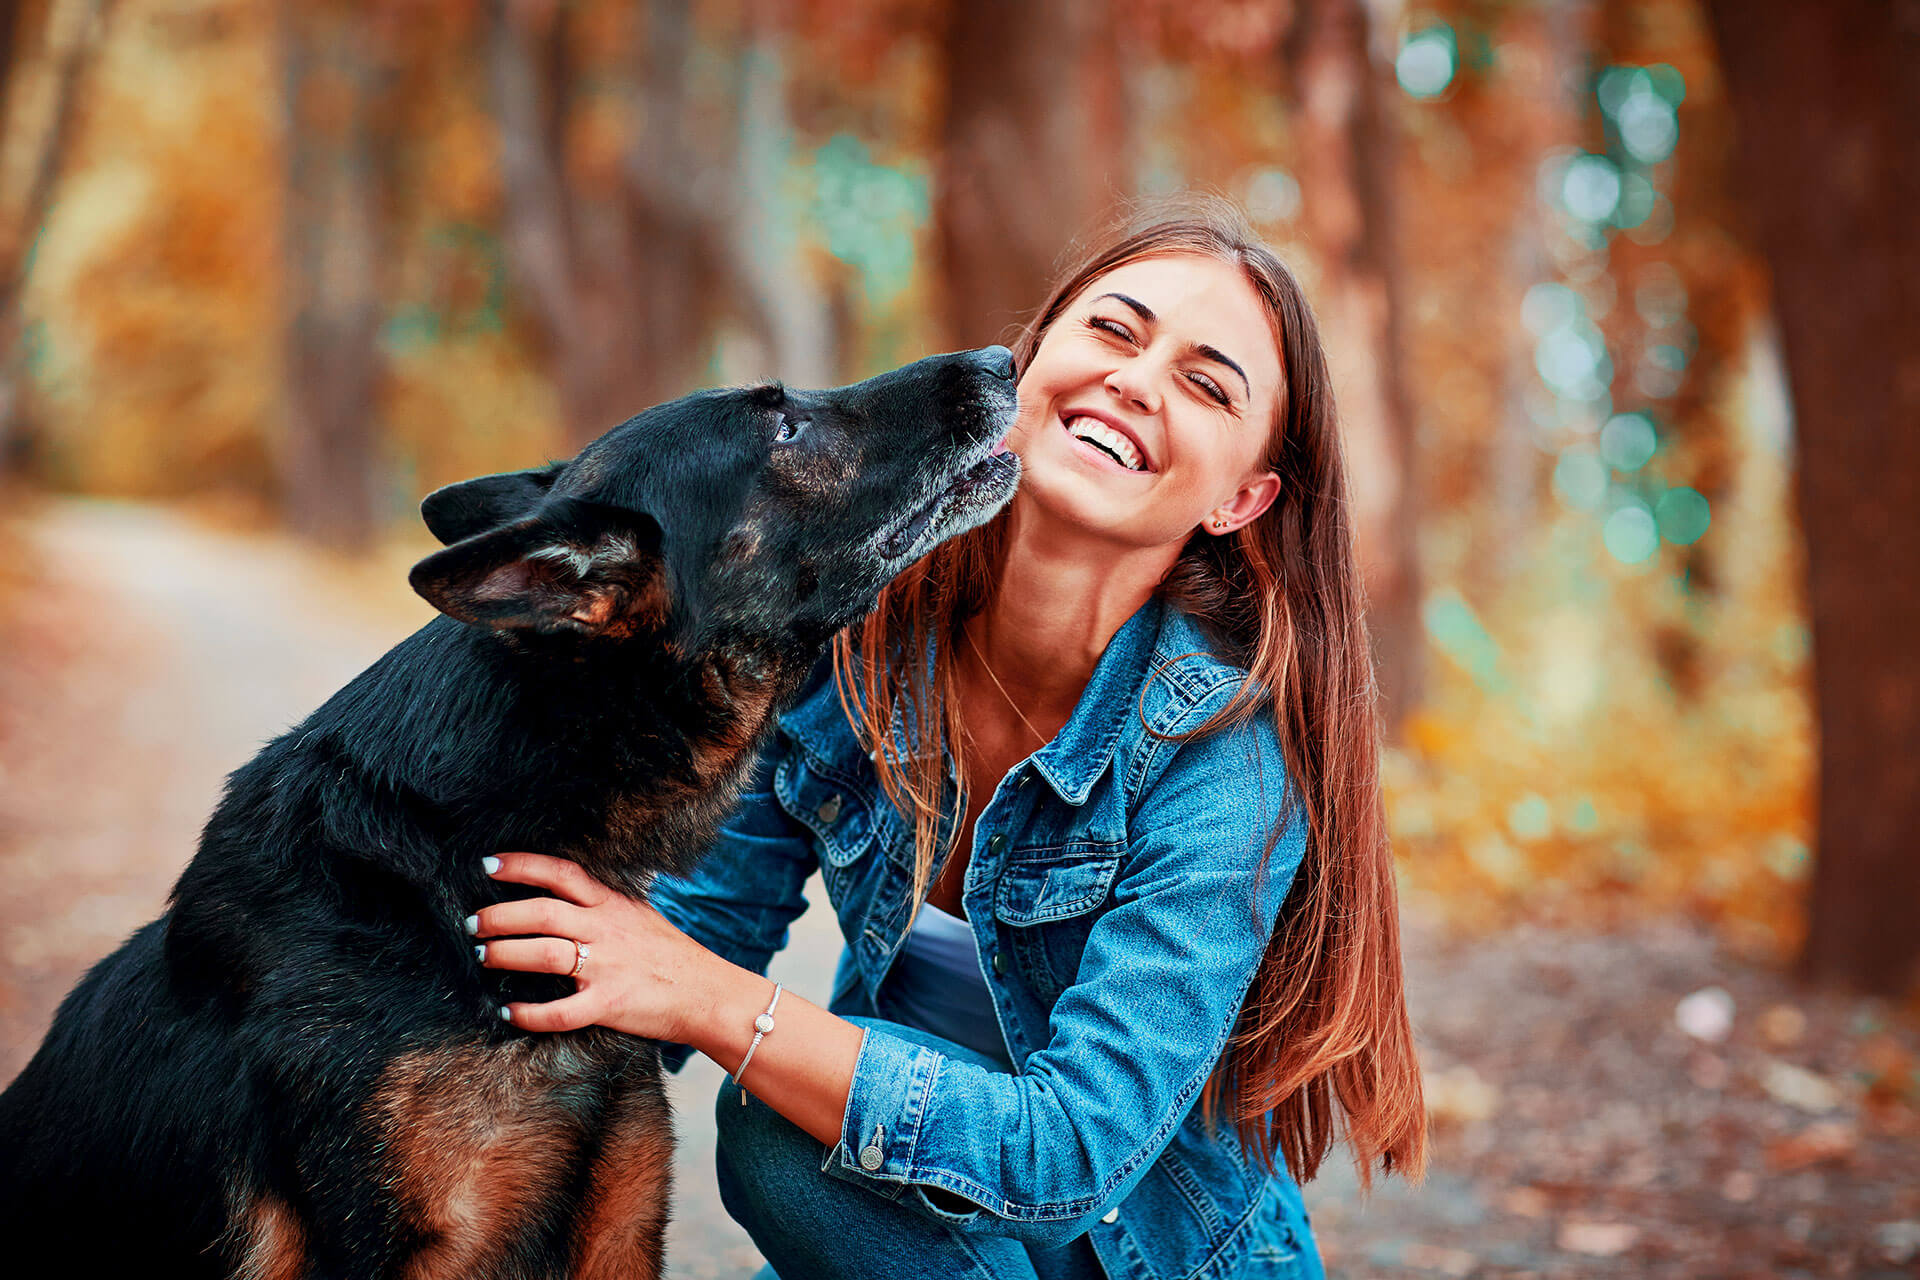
pixel 1109 853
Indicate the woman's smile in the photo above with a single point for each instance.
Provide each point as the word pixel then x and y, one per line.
pixel 1105 441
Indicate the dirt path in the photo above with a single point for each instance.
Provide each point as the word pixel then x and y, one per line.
pixel 1579 1130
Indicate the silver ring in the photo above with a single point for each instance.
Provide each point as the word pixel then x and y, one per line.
pixel 580 953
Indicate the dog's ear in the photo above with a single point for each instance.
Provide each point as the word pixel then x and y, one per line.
pixel 459 511
pixel 573 566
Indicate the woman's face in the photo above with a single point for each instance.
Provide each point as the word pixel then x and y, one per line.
pixel 1146 409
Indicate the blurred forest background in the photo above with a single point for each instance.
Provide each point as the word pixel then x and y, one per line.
pixel 1620 297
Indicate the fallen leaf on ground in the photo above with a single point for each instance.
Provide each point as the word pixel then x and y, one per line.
pixel 1831 1140
pixel 1427 1257
pixel 1706 1015
pixel 1460 1096
pixel 1799 1088
pixel 1597 1239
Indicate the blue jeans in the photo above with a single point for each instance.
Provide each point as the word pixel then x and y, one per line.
pixel 810 1226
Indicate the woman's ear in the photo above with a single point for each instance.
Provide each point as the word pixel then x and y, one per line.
pixel 1248 503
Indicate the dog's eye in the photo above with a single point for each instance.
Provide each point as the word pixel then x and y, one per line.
pixel 789 429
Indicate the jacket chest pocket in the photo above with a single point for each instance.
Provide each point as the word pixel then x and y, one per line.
pixel 839 814
pixel 1047 909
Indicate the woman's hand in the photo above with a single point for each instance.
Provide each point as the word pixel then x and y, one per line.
pixel 642 976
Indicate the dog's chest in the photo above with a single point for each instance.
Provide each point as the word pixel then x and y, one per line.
pixel 482 1137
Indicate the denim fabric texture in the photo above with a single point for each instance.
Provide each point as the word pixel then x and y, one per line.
pixel 1113 892
pixel 811 1227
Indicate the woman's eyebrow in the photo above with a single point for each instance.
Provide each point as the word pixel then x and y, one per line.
pixel 1146 314
pixel 1214 353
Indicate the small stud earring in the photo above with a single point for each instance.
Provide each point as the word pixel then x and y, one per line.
pixel 1219 523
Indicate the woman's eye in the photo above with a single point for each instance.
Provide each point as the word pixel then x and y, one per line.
pixel 1113 327
pixel 1213 389
pixel 789 430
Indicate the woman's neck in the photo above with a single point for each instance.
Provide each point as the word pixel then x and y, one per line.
pixel 1059 600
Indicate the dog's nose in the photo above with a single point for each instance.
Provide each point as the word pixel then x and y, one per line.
pixel 997 361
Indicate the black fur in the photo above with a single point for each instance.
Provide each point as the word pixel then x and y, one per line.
pixel 219 1096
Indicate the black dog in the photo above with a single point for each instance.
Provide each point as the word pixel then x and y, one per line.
pixel 299 1070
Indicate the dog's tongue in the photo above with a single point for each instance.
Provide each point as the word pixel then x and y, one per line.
pixel 999 446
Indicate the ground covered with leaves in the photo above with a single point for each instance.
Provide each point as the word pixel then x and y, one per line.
pixel 1638 1102
pixel 1616 1093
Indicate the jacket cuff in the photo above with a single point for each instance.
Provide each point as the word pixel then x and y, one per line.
pixel 892 1081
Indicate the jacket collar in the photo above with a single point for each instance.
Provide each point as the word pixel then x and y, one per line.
pixel 1083 748
pixel 1154 638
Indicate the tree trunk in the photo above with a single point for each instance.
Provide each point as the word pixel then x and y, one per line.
pixel 1828 111
pixel 617 267
pixel 1036 149
pixel 75 30
pixel 782 297
pixel 332 301
pixel 1514 459
pixel 1345 151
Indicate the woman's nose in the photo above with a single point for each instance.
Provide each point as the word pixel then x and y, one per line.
pixel 1132 381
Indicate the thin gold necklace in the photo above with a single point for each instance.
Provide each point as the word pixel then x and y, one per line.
pixel 982 658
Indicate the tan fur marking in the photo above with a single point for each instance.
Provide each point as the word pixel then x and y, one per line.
pixel 273 1245
pixel 716 760
pixel 478 1141
pixel 749 702
pixel 622 1233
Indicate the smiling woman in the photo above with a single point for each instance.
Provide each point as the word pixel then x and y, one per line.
pixel 1094 792
pixel 1135 377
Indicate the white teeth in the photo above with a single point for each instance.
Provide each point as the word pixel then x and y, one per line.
pixel 1098 432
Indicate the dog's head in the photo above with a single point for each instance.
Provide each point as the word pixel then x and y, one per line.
pixel 755 513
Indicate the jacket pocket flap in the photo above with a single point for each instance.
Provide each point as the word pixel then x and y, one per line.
pixel 834 811
pixel 1033 893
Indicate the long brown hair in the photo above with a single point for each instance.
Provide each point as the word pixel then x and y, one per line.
pixel 1326 1014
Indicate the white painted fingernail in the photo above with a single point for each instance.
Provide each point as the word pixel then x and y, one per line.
pixel 480 953
pixel 473 923
pixel 491 864
pixel 506 1014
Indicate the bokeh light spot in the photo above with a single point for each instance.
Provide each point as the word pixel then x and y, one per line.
pixel 870 212
pixel 1590 188
pixel 1660 296
pixel 1648 126
pixel 1572 361
pixel 1584 818
pixel 1637 198
pixel 1273 195
pixel 1457 632
pixel 1530 817
pixel 1581 479
pixel 1667 81
pixel 1683 515
pixel 1788 858
pixel 1547 307
pixel 1627 441
pixel 1427 61
pixel 1630 534
pixel 1613 86
pixel 1791 643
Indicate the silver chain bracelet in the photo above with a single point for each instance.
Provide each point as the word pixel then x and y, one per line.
pixel 761 1026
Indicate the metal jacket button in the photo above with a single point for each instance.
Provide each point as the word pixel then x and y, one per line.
pixel 871 1156
pixel 1111 1215
pixel 1000 963
pixel 996 843
pixel 829 809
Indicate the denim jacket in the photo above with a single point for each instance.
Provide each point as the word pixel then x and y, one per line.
pixel 1112 892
